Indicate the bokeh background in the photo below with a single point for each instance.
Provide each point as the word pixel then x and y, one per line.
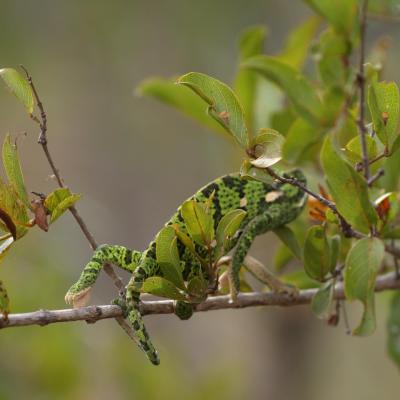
pixel 134 160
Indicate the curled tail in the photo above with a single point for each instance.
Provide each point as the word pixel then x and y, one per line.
pixel 78 293
pixel 147 267
pixel 129 260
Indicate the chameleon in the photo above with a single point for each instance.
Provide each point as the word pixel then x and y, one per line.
pixel 268 206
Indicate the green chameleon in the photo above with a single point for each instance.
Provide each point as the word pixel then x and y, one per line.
pixel 267 207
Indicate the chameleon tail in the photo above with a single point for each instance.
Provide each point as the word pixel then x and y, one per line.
pixel 147 267
pixel 117 255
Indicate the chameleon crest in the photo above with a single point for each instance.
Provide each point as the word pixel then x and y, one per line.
pixel 266 206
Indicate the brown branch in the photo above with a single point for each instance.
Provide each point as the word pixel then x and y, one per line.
pixel 244 300
pixel 361 84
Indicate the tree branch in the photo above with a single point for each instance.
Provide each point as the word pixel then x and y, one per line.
pixel 92 314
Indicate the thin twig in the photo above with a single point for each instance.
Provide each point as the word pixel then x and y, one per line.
pixel 244 300
pixel 361 84
pixel 360 166
pixel 90 238
pixel 375 177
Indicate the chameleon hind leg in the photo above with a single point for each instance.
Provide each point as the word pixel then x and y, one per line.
pixel 264 275
pixel 120 256
pixel 148 267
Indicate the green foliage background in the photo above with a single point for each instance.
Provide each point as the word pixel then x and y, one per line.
pixel 135 160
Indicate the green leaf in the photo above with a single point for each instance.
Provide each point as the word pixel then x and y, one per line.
pixel 227 227
pixel 361 268
pixel 168 257
pixel 251 43
pixel 348 189
pixel 161 287
pixel 184 238
pixel 4 301
pixel 342 14
pixel 297 88
pixel 19 87
pixel 353 149
pixel 301 137
pixel 13 169
pixel 393 329
pixel 224 106
pixel 383 102
pixel 13 213
pixel 199 223
pixel 317 254
pixel 333 49
pixel 268 145
pixel 181 98
pixel 287 236
pixel 59 201
pixel 334 247
pixel 299 40
pixel 322 300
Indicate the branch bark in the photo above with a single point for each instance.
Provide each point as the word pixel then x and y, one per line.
pixel 93 314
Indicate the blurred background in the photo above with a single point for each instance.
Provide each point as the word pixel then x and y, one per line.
pixel 134 160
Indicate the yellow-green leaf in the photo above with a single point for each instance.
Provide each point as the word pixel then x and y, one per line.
pixel 59 201
pixel 227 227
pixel 13 169
pixel 317 254
pixel 384 105
pixel 180 98
pixel 19 86
pixel 322 300
pixel 251 43
pixel 161 287
pixel 296 87
pixel 199 223
pixel 224 106
pixel 298 42
pixel 168 257
pixel 361 268
pixel 348 189
pixel 268 145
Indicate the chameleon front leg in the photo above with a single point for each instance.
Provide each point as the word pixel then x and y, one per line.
pixel 258 225
pixel 117 255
